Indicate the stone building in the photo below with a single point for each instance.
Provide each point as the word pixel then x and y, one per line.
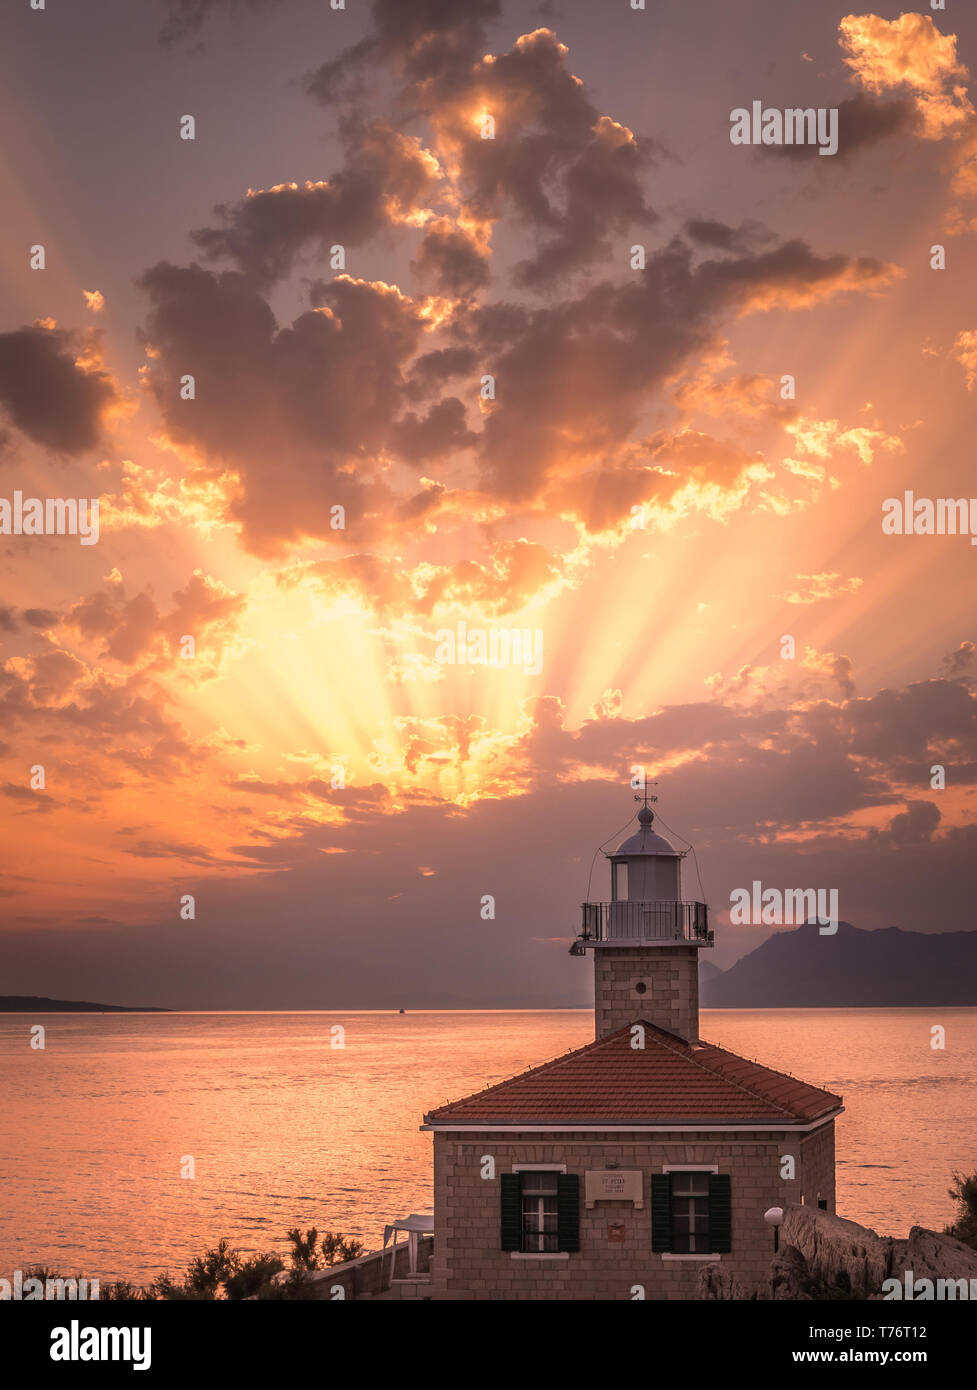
pixel 617 1170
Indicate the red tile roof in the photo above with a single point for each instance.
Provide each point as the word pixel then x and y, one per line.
pixel 668 1080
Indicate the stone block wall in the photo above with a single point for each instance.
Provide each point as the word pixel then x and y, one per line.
pixel 670 997
pixel 817 1168
pixel 469 1263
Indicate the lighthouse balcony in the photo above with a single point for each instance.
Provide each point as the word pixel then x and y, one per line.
pixel 631 920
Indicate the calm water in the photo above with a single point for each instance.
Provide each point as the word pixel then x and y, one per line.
pixel 285 1129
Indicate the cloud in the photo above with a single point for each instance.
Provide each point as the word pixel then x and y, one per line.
pixel 815 588
pixel 51 677
pixel 862 121
pixel 572 174
pixel 956 662
pixel 387 178
pixel 41 617
pixel 422 40
pixel 185 18
pixel 452 258
pixel 964 351
pixel 131 629
pixel 106 721
pixel 514 573
pixel 573 379
pixel 323 392
pixel 442 431
pixel 910 52
pixel 54 388
pixel 914 826
pixel 719 236
pixel 823 439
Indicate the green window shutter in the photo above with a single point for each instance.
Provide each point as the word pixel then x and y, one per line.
pixel 511 1211
pixel 661 1212
pixel 568 1212
pixel 720 1213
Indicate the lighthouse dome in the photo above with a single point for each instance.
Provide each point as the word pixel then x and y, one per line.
pixel 646 840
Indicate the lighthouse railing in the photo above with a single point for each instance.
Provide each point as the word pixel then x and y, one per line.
pixel 640 920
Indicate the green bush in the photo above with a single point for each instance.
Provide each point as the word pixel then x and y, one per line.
pixel 964 1193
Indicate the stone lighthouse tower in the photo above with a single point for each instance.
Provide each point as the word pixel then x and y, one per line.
pixel 646 940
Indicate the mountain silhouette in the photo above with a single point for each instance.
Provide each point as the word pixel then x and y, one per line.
pixel 852 969
pixel 38 1004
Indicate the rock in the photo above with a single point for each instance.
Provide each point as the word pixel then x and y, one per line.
pixel 928 1255
pixel 846 1259
pixel 826 1257
pixel 790 1277
pixel 716 1282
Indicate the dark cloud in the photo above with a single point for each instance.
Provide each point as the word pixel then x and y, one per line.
pixel 322 393
pixel 442 431
pixel 451 260
pixel 185 18
pixel 7 621
pixel 748 236
pixel 914 826
pixel 421 39
pixel 385 177
pixel 863 120
pixel 574 176
pixel 954 663
pixel 603 197
pixel 573 380
pixel 41 617
pixel 50 391
pixel 432 370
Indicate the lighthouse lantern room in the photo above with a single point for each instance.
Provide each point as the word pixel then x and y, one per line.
pixel 646 939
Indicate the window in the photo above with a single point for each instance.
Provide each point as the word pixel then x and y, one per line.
pixel 620 891
pixel 690 1214
pixel 539 1213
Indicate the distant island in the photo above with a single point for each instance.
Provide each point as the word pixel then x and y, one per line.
pixel 38 1004
pixel 854 968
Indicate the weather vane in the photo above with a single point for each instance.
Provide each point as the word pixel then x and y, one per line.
pixel 643 795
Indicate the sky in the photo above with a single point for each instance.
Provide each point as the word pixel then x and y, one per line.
pixel 488 322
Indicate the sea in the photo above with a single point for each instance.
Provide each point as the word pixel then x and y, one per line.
pixel 312 1119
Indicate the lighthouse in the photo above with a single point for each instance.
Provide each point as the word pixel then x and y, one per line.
pixel 646 940
pixel 638 1158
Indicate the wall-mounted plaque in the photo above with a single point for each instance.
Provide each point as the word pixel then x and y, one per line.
pixel 614 1185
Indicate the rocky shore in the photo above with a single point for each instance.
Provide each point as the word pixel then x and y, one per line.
pixel 826 1257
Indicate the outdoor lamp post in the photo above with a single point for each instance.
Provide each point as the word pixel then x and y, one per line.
pixel 773 1217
